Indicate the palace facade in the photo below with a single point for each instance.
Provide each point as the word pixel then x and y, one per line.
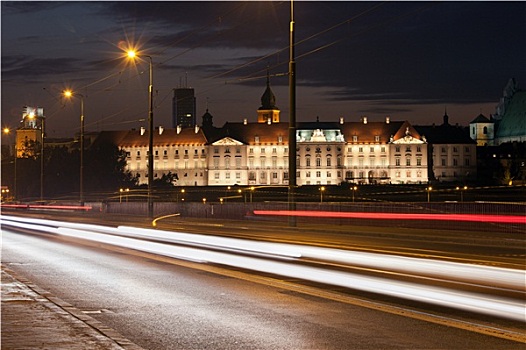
pixel 328 153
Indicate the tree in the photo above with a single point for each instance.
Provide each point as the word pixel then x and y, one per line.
pixel 105 168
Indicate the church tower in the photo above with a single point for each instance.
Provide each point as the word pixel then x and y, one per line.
pixel 30 133
pixel 268 112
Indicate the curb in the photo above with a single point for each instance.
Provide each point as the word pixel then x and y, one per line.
pixel 74 315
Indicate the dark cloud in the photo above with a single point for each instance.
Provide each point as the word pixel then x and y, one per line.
pixel 352 57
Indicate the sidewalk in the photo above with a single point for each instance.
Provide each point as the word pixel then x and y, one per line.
pixel 32 318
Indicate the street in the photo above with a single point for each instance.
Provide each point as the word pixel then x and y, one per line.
pixel 167 304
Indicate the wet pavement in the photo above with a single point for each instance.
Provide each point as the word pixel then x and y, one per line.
pixel 33 318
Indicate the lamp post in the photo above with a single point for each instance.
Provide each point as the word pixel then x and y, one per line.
pixel 322 189
pixel 42 161
pixel 354 188
pixel 428 189
pixel 69 94
pixel 7 131
pixel 132 54
pixel 462 189
pixel 292 120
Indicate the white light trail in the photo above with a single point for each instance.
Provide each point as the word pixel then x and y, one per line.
pixel 163 245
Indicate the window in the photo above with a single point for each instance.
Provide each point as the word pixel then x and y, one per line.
pixel 485 130
pixel 382 149
pixel 238 162
pixel 328 174
pixel 466 161
pixel 397 149
pixel 186 152
pixel 138 153
pixel 216 150
pixel 256 139
pixel 196 152
pixel 274 175
pixel 355 138
pixel 408 173
pixel 408 148
pixel 443 149
pixel 466 149
pixel 371 149
pixel 443 162
pixel 227 175
pixel 455 149
pixel 250 151
pixel 227 162
pixel 419 161
pixel 308 161
pixel 252 176
pixel 455 162
pixel 339 161
pixel 262 151
pixel 165 152
pixel 360 149
pixel 318 174
pixel 397 161
pixel 318 161
pixel 238 175
pixel 238 150
pixel 274 150
pixel 408 161
pixel 307 174
pixel 328 161
pixel 216 175
pixel 377 138
pixel 418 148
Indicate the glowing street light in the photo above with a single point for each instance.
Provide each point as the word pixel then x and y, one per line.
pixel 132 54
pixel 354 188
pixel 322 189
pixel 70 94
pixel 7 131
pixel 462 189
pixel 428 189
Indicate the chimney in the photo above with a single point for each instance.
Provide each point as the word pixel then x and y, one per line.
pixel 387 120
pixel 196 129
pixel 179 128
pixel 269 121
pixel 365 120
pixel 341 120
pixel 143 130
pixel 161 129
pixel 245 121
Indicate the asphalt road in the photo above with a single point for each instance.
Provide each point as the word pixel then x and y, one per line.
pixel 162 304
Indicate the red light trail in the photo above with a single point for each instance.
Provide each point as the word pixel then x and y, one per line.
pixel 508 219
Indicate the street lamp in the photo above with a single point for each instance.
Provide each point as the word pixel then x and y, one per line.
pixel 322 189
pixel 7 131
pixel 462 189
pixel 354 188
pixel 69 94
pixel 132 54
pixel 292 120
pixel 428 189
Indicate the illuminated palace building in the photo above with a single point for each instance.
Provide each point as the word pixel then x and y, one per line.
pixel 328 153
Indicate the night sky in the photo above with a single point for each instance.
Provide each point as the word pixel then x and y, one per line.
pixel 406 60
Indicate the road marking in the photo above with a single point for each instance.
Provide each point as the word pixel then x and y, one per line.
pixel 508 334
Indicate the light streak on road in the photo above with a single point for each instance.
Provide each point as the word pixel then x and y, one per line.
pixel 505 219
pixel 283 259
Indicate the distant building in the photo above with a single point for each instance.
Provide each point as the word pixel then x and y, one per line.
pixel 453 154
pixel 184 108
pixel 508 124
pixel 29 133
